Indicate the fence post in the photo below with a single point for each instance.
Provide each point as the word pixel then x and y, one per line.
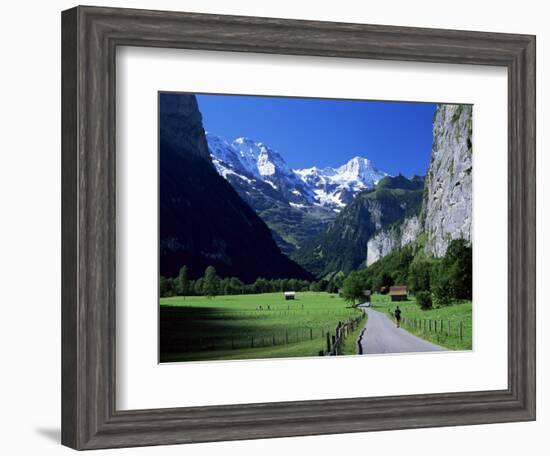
pixel 461 330
pixel 328 343
pixel 430 325
pixel 310 333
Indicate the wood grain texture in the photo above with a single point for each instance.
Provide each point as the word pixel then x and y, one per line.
pixel 89 39
pixel 69 228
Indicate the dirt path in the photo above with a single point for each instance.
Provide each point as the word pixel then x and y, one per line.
pixel 382 336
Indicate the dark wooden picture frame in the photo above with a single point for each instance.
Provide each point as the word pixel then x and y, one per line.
pixel 90 36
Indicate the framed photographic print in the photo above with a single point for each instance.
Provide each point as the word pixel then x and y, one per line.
pixel 256 211
pixel 342 240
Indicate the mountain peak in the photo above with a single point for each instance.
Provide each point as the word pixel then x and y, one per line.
pixel 243 140
pixel 358 164
pixel 359 159
pixel 360 170
pixel 328 187
pixel 259 158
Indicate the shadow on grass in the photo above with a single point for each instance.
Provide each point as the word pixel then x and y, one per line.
pixel 195 329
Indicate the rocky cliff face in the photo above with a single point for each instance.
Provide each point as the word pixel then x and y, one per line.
pixel 374 225
pixel 447 205
pixel 384 241
pixel 181 127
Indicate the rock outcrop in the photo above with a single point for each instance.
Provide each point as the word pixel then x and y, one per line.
pixel 386 240
pixel 447 205
pixel 180 123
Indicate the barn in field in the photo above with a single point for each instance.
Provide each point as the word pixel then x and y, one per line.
pixel 290 295
pixel 398 293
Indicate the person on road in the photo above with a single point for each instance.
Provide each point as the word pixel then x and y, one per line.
pixel 397 314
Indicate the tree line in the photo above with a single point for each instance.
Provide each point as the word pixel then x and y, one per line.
pixel 432 280
pixel 440 281
pixel 211 285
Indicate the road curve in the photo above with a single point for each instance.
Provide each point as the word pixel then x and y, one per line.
pixel 382 336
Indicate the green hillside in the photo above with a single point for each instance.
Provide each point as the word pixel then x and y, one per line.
pixel 343 246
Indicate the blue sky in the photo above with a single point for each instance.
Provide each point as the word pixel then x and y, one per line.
pixel 397 137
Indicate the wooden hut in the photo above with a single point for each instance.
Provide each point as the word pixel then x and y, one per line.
pixel 290 295
pixel 398 293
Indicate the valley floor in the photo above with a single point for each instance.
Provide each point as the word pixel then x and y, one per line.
pixel 260 326
pixel 252 326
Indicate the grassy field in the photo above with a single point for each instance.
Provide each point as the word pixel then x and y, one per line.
pixel 417 321
pixel 249 326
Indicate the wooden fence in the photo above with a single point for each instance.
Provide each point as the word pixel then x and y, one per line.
pixel 443 327
pixel 330 341
pixel 335 341
pixel 256 340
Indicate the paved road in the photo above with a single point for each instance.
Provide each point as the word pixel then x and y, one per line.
pixel 381 336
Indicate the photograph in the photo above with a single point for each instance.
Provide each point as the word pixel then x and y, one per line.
pixel 299 227
pixel 271 228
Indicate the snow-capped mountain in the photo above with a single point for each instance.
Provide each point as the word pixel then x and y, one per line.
pixel 259 158
pixel 226 158
pixel 296 204
pixel 255 163
pixel 338 186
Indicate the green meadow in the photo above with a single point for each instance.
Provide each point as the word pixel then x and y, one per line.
pixel 198 328
pixel 446 321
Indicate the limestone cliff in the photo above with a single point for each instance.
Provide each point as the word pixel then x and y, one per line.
pixel 447 205
pixel 447 202
pixel 386 240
